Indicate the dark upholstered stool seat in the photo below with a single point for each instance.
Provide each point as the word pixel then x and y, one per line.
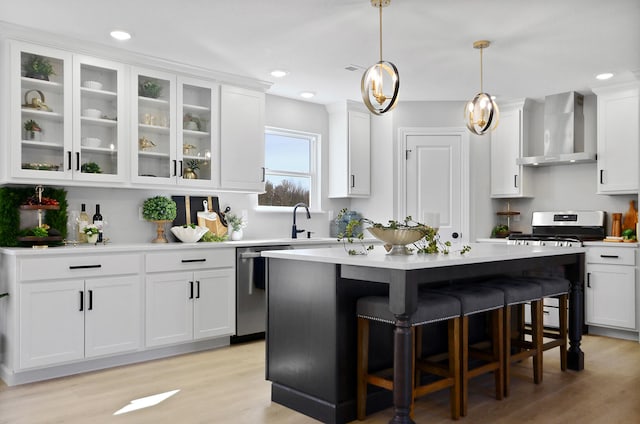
pixel 516 291
pixel 431 308
pixel 474 299
pixel 551 286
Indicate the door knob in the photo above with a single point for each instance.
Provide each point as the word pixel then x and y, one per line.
pixel 455 235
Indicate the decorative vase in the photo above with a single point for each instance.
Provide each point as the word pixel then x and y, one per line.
pixel 160 237
pixel 33 135
pixel 189 174
pixel 92 238
pixel 236 234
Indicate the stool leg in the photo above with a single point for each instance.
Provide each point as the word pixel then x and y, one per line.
pixel 454 366
pixel 564 324
pixel 363 367
pixel 507 350
pixel 537 330
pixel 497 326
pixel 464 365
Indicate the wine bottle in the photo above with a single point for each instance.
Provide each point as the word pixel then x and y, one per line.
pixel 83 221
pixel 97 221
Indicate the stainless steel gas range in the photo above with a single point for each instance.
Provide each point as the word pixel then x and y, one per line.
pixel 563 228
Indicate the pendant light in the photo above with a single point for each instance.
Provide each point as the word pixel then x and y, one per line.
pixel 380 76
pixel 481 114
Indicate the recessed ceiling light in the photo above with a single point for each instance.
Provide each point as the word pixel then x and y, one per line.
pixel 307 94
pixel 604 76
pixel 279 73
pixel 120 35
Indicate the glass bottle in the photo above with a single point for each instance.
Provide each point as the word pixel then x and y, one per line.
pixel 83 221
pixel 97 221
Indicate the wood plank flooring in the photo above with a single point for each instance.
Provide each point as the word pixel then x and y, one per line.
pixel 227 386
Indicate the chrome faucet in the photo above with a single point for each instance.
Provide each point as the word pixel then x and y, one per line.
pixel 294 229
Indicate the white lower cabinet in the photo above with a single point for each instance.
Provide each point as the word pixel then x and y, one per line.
pixel 189 305
pixel 610 288
pixel 63 321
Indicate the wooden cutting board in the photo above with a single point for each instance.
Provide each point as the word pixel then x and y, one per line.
pixel 631 217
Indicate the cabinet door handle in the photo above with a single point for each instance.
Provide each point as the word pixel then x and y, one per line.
pixel 81 300
pixel 264 176
pixel 180 168
pixel 589 279
pixel 515 181
pixel 197 289
pixel 84 266
pixel 186 261
pixel 601 176
pixel 175 165
pixel 190 289
pixel 69 159
pixel 353 180
pixel 90 300
pixel 610 256
pixel 77 161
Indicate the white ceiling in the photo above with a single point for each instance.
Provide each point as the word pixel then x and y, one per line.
pixel 539 47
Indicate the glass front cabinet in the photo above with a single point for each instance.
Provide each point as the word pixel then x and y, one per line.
pixel 66 116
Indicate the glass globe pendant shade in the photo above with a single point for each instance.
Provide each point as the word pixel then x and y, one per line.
pixel 481 114
pixel 375 79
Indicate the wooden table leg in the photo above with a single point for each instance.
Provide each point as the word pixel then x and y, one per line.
pixel 402 377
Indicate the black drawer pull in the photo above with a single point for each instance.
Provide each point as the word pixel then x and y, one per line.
pixel 610 256
pixel 186 261
pixel 84 266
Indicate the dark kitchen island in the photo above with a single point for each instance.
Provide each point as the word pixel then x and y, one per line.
pixel 311 328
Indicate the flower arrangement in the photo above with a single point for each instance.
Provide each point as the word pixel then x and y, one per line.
pixel 235 222
pixel 428 243
pixel 90 229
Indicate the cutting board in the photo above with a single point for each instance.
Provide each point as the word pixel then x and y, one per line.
pixel 631 217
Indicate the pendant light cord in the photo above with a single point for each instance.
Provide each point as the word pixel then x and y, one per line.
pixel 380 10
pixel 481 90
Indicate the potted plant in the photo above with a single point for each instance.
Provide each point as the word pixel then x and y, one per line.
pixel 159 209
pixel 150 89
pixel 91 232
pixel 91 168
pixel 190 171
pixel 33 131
pixel 236 223
pixel 38 67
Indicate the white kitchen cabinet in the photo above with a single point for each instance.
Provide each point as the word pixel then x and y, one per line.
pixel 618 134
pixel 153 111
pixel 78 311
pixel 47 102
pixel 349 150
pixel 242 119
pixel 193 304
pixel 508 140
pixel 72 144
pixel 610 288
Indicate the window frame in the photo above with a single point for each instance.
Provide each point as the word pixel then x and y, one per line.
pixel 314 140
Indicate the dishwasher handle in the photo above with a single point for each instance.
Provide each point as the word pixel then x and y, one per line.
pixel 249 255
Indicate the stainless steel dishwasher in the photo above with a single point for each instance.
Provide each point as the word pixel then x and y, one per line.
pixel 251 300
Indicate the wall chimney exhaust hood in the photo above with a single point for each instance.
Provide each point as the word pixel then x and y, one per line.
pixel 563 132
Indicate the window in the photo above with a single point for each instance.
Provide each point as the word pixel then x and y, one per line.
pixel 290 168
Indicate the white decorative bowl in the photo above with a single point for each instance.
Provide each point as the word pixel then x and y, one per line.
pixel 92 113
pixel 188 234
pixel 396 238
pixel 94 85
pixel 91 142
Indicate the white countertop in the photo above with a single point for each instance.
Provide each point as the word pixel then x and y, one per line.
pixel 144 247
pixel 378 258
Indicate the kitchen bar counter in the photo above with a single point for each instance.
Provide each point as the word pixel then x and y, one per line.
pixel 311 315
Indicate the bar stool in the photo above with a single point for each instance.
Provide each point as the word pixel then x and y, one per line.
pixel 431 308
pixel 518 292
pixel 475 299
pixel 558 288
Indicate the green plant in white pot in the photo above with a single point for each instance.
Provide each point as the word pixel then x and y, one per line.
pixel 236 223
pixel 159 209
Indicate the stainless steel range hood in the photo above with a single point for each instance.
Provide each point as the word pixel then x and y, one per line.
pixel 563 132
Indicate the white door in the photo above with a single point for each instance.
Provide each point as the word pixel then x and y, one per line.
pixel 610 296
pixel 435 175
pixel 112 317
pixel 169 317
pixel 214 303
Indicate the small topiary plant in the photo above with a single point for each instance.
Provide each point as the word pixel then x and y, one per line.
pixel 159 208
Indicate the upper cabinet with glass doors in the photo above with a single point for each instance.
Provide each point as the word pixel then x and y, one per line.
pixel 40 112
pixel 66 116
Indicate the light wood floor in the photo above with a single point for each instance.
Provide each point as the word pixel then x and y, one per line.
pixel 228 386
